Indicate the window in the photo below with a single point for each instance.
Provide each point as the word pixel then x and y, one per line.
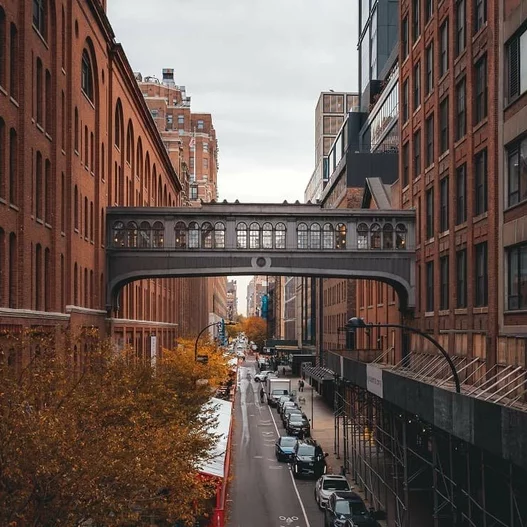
pixel 443 132
pixel 516 65
pixel 430 68
pixel 406 97
pixel 76 208
pixel 461 114
pixel 254 236
pixel 200 124
pixel 481 276
pixel 429 9
pixel 181 121
pixel 461 194
pixel 87 76
pixel 517 171
pixel 416 22
pixel 443 286
pixel 480 182
pixel 517 277
pixel 460 26
pixel 39 16
pixel 406 162
pixel 205 147
pixel 404 38
pixel 429 286
pixel 279 233
pixel 430 213
pixel 3 48
pixel 417 86
pixel 241 236
pixel 443 64
pixel 193 192
pixel 49 189
pixel 443 212
pixel 480 99
pixel 480 14
pixel 3 152
pixel 461 278
pixel 40 92
pixel 39 186
pixel 429 127
pixel 76 130
pixel 417 153
pixel 205 163
pixel 13 62
pixel 13 167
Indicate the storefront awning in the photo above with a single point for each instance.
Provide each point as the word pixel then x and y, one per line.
pixel 319 373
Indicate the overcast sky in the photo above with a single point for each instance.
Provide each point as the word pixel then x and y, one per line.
pixel 258 67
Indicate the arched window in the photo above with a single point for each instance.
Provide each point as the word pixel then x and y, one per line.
pixel 219 235
pixel 76 208
pixel 3 47
pixel 75 284
pixel 375 236
pixel 387 236
pixel 206 235
pixel 193 235
pixel 267 236
pixel 76 131
pixel 400 236
pixel 131 229
pixel 158 234
pixel 254 236
pixel 328 236
pixel 130 144
pixel 279 236
pixel 301 236
pixel 118 124
pixel 39 17
pixel 181 235
pixel 144 234
pixel 362 236
pixel 314 236
pixel 241 236
pixel 341 236
pixel 86 75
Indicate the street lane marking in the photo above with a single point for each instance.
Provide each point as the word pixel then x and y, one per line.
pixel 258 457
pixel 293 479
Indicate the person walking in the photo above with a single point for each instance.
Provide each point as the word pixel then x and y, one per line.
pixel 262 395
pixel 301 385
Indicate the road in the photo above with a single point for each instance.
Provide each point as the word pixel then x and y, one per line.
pixel 263 492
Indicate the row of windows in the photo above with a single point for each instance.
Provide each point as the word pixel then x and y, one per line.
pixel 9 62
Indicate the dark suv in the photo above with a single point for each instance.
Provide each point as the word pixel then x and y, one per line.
pixel 308 459
pixel 347 508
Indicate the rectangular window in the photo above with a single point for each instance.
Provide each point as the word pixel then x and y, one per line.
pixel 205 147
pixel 430 68
pixel 429 286
pixel 460 26
pixel 200 125
pixel 461 278
pixel 406 162
pixel 461 114
pixel 430 140
pixel 406 96
pixel 480 182
pixel 480 99
pixel 181 121
pixel 429 213
pixel 481 275
pixel 517 172
pixel 443 65
pixel 417 153
pixel 13 62
pixel 404 38
pixel 461 194
pixel 193 192
pixel 39 17
pixel 480 14
pixel 517 65
pixel 444 290
pixel 417 86
pixel 444 223
pixel 517 277
pixel 443 115
pixel 429 9
pixel 416 20
pixel 205 163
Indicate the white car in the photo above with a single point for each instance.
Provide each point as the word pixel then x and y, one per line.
pixel 262 376
pixel 326 485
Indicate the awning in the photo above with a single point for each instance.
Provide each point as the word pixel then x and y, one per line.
pixel 215 466
pixel 319 373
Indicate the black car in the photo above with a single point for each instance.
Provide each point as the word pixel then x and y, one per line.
pixel 347 508
pixel 308 459
pixel 285 448
pixel 284 405
pixel 288 411
pixel 298 425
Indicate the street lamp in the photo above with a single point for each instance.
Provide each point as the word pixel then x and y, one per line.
pixel 355 322
pixel 204 358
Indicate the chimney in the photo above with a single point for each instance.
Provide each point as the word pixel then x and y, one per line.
pixel 168 77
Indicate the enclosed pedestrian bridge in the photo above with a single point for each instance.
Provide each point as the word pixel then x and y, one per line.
pixel 260 239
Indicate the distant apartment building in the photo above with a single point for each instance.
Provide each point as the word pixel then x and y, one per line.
pixel 256 289
pixel 232 300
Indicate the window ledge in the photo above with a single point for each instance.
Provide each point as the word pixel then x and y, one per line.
pixel 480 310
pixel 35 29
pixel 86 96
pixel 444 234
pixel 76 152
pixel 63 151
pixel 480 217
pixel 3 90
pixel 3 201
pixel 429 314
pixel 429 168
pixel 479 31
pixel 14 101
pixel 460 141
pixel 14 207
pixel 416 111
pixel 48 225
pixel 63 71
pixel 444 155
pixel 40 127
pixel 418 178
pixel 460 226
pixel 481 124
pixel 461 311
pixel 49 138
pixel 444 312
pixel 429 241
pixel 40 221
pixel 516 205
pixel 515 312
pixel 63 234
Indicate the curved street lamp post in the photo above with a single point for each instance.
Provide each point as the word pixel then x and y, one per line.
pixel 355 322
pixel 205 358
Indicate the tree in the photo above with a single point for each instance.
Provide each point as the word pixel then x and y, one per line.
pixel 256 330
pixel 113 440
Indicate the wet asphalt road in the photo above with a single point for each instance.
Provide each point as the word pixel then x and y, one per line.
pixel 263 492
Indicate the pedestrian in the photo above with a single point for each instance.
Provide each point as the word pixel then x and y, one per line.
pixel 262 395
pixel 301 385
pixel 283 371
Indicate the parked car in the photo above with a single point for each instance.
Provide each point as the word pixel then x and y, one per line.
pixel 262 376
pixel 298 425
pixel 275 396
pixel 326 485
pixel 288 410
pixel 286 404
pixel 344 509
pixel 308 459
pixel 285 448
pixel 282 399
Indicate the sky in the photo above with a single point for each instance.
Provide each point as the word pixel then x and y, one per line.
pixel 258 66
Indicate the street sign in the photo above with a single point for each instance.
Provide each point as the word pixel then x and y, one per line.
pixel 204 359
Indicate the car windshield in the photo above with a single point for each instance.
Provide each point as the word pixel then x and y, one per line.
pixel 287 441
pixel 335 484
pixel 306 450
pixel 343 507
pixel 295 417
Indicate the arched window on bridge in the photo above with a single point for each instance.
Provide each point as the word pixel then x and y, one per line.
pixel 279 236
pixel 375 236
pixel 400 236
pixel 301 236
pixel 328 236
pixel 362 236
pixel 131 229
pixel 118 234
pixel 267 236
pixel 387 236
pixel 206 235
pixel 144 234
pixel 158 234
pixel 241 236
pixel 314 236
pixel 193 235
pixel 219 235
pixel 180 230
pixel 341 236
pixel 254 236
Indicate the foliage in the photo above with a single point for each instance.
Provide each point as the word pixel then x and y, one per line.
pixel 256 330
pixel 108 438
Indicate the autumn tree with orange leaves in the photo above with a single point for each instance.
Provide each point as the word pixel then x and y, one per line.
pixel 114 442
pixel 256 330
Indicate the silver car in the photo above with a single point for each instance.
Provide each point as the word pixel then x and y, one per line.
pixel 326 485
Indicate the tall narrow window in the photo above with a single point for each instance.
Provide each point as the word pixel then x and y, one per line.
pixel 85 213
pixel 481 275
pixel 38 277
pixel 47 280
pixel 38 186
pixel 39 83
pixel 516 65
pixel 63 120
pixel 461 114
pixel 461 278
pixel 429 9
pixel 76 131
pixel 430 213
pixel 480 99
pixel 406 164
pixel 86 138
pixel 443 64
pixel 444 285
pixel 417 153
pixel 49 188
pixel 76 209
pixel 39 16
pixel 13 167
pixel 63 203
pixel 63 40
pixel 444 197
pixel 416 19
pixel 461 194
pixel 91 221
pixel 460 26
pixel 480 182
pixel 406 98
pixel 3 48
pixel 429 286
pixel 443 115
pixel 517 277
pixel 87 76
pixel 516 171
pixel 480 14
pixel 404 38
pixel 429 140
pixel 3 158
pixel 13 62
pixel 417 86
pixel 49 100
pixel 13 271
pixel 430 68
